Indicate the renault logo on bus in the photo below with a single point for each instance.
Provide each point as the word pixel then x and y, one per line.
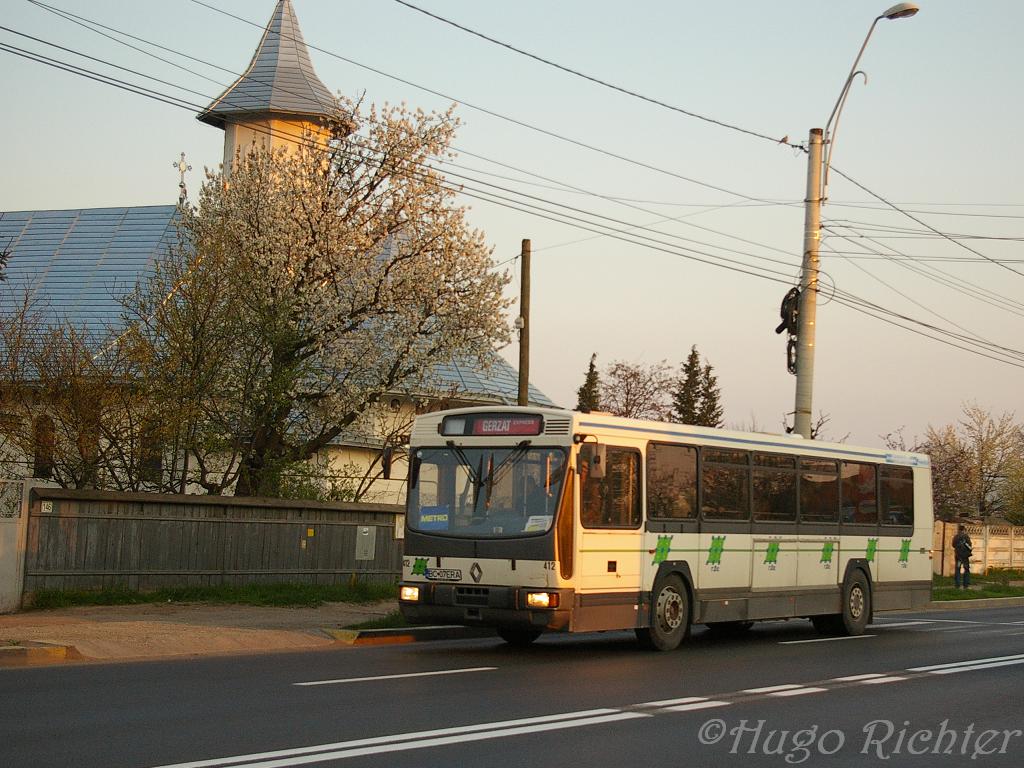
pixel 476 572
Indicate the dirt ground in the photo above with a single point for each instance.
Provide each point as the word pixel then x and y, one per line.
pixel 175 629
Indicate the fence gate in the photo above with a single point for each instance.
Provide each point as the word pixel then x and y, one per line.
pixel 12 556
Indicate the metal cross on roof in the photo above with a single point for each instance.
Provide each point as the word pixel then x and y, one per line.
pixel 182 167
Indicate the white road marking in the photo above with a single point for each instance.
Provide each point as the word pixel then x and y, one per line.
pixel 855 678
pixel 396 677
pixel 894 624
pixel 967 663
pixel 698 705
pixel 502 729
pixel 825 639
pixel 772 688
pixel 977 667
pixel 669 702
pixel 379 749
pixel 507 725
pixel 951 629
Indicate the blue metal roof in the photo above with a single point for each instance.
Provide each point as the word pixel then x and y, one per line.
pixel 499 382
pixel 78 263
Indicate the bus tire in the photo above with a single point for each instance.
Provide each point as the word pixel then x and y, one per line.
pixel 670 615
pixel 519 637
pixel 856 603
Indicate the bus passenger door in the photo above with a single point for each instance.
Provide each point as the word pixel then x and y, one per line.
pixel 611 539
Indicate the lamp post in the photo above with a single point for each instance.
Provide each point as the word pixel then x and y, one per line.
pixel 819 156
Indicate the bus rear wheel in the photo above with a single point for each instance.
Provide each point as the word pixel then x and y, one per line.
pixel 856 612
pixel 856 604
pixel 519 637
pixel 670 616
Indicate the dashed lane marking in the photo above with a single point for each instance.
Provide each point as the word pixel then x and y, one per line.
pixel 396 677
pixel 772 688
pixel 826 639
pixel 856 678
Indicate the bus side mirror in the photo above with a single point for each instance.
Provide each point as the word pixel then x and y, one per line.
pixel 593 455
pixel 386 457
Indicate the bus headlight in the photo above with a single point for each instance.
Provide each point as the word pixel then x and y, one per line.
pixel 542 599
pixel 409 594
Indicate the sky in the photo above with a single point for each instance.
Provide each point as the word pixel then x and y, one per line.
pixel 934 130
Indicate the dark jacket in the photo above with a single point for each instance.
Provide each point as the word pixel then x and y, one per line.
pixel 962 546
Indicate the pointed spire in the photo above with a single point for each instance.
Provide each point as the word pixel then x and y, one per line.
pixel 280 78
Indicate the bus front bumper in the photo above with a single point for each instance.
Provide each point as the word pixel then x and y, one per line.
pixel 488 606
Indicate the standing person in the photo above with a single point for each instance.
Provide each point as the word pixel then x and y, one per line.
pixel 962 548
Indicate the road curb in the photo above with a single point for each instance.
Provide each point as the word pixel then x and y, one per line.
pixel 974 602
pixel 401 635
pixel 33 654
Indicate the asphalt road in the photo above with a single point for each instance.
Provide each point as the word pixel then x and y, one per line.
pixel 927 689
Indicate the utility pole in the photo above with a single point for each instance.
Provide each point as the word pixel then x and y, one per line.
pixel 523 324
pixel 808 288
pixel 816 194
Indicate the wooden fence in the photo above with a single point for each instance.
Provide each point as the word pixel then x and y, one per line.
pixel 994 546
pixel 98 539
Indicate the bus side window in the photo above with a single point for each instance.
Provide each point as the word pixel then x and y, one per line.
pixel 819 490
pixel 725 484
pixel 612 501
pixel 858 500
pixel 671 481
pixel 897 495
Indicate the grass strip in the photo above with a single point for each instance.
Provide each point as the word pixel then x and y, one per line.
pixel 282 594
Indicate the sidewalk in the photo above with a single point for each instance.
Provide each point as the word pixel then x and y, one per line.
pixel 128 632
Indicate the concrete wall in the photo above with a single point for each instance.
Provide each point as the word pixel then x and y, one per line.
pixel 12 538
pixel 994 546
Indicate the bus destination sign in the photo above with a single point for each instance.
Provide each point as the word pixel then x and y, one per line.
pixel 507 425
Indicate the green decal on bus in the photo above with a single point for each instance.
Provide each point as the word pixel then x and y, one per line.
pixel 826 552
pixel 662 550
pixel 715 552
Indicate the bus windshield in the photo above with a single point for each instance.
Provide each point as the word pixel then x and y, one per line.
pixel 485 492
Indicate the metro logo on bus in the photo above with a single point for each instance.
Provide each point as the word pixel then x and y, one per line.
pixel 507 425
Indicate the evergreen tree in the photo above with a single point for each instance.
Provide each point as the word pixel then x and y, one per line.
pixel 686 398
pixel 710 412
pixel 588 397
pixel 697 399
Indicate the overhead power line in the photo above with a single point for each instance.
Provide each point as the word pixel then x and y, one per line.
pixel 924 224
pixel 845 298
pixel 498 115
pixel 591 78
pixel 90 24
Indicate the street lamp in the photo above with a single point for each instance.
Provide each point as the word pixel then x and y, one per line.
pixel 817 184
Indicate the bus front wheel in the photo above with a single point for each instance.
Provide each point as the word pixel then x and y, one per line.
pixel 670 615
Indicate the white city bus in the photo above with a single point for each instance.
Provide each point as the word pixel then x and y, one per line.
pixel 532 519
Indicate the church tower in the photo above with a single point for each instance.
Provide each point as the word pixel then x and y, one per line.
pixel 278 99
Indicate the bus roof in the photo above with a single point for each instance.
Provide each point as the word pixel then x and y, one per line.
pixel 579 422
